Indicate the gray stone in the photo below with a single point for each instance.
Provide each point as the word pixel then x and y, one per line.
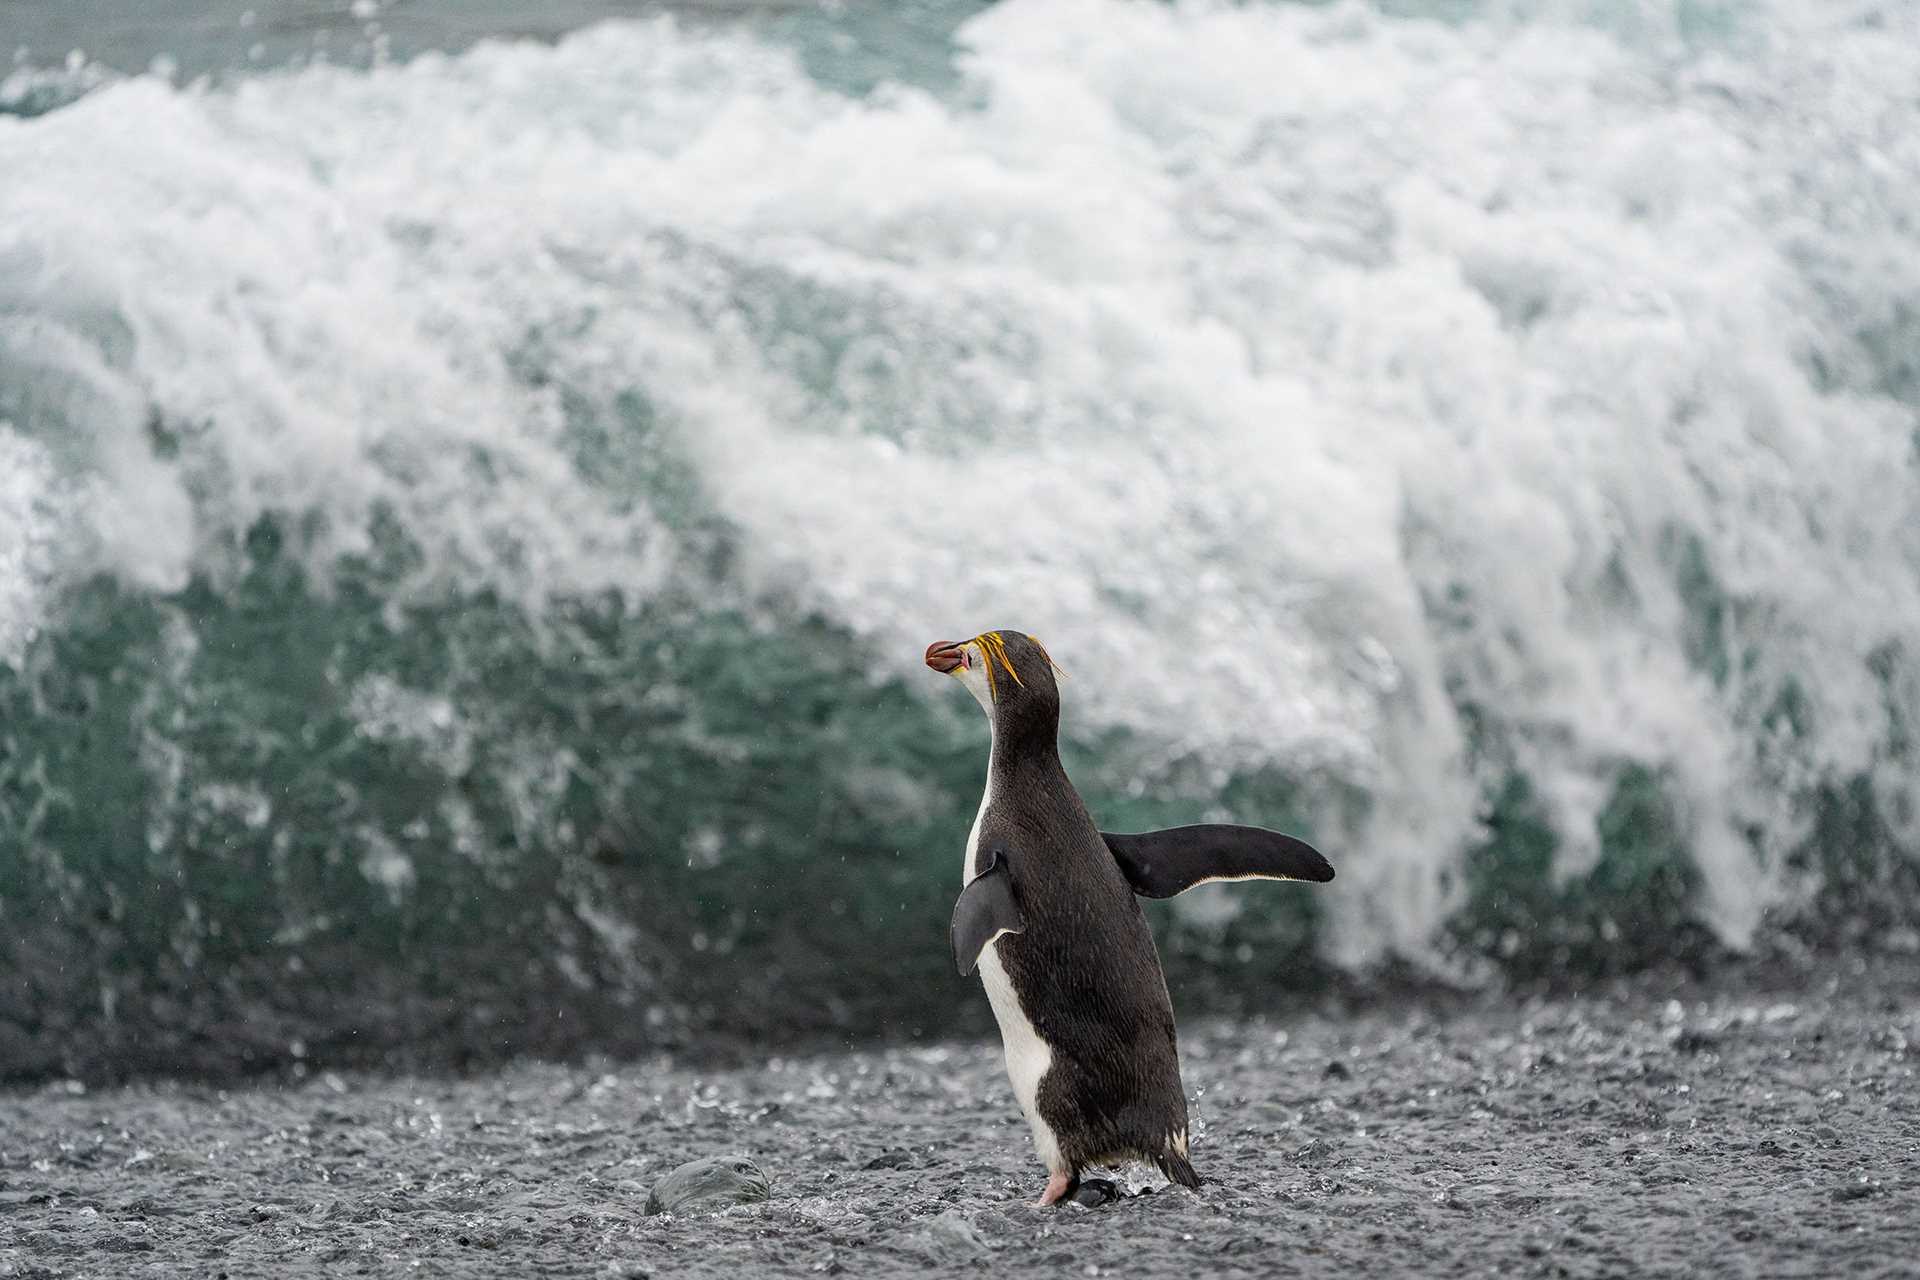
pixel 1316 1154
pixel 1094 1192
pixel 706 1185
pixel 950 1236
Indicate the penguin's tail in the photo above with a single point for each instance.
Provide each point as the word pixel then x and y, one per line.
pixel 1178 1168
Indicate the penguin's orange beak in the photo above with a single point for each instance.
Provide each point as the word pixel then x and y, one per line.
pixel 946 656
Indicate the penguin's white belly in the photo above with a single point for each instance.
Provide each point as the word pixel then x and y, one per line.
pixel 1028 1055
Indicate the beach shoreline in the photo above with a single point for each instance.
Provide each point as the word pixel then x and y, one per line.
pixel 1739 1128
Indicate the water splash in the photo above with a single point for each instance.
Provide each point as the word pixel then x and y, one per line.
pixel 27 538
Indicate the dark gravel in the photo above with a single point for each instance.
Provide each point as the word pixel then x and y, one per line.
pixel 1719 1133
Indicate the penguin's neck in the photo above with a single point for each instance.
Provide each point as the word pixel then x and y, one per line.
pixel 1029 767
pixel 1017 760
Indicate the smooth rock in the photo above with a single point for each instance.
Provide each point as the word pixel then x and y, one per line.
pixel 1316 1154
pixel 951 1236
pixel 706 1185
pixel 1094 1192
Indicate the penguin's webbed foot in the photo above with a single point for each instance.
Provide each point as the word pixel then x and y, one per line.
pixel 1059 1187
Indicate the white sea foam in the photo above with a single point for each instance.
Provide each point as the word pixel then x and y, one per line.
pixel 26 540
pixel 1302 376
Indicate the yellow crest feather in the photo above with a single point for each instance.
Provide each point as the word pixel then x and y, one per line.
pixel 993 649
pixel 1058 669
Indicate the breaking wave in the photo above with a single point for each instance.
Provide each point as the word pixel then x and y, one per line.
pixel 494 505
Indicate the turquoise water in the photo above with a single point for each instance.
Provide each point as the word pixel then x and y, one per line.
pixel 61 48
pixel 469 520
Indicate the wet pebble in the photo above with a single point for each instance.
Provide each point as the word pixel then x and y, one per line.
pixel 1094 1192
pixel 1315 1154
pixel 705 1185
pixel 1695 1040
pixel 950 1236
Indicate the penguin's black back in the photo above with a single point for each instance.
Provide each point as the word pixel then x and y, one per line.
pixel 1085 970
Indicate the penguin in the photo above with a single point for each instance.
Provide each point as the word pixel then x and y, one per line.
pixel 1048 915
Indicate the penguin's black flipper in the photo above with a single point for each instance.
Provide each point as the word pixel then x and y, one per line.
pixel 1159 864
pixel 987 909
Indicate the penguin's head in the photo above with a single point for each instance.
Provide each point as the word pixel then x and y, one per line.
pixel 1009 674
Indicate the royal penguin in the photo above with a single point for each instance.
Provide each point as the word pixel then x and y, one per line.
pixel 1048 916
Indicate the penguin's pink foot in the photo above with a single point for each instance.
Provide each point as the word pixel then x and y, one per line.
pixel 1058 1186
